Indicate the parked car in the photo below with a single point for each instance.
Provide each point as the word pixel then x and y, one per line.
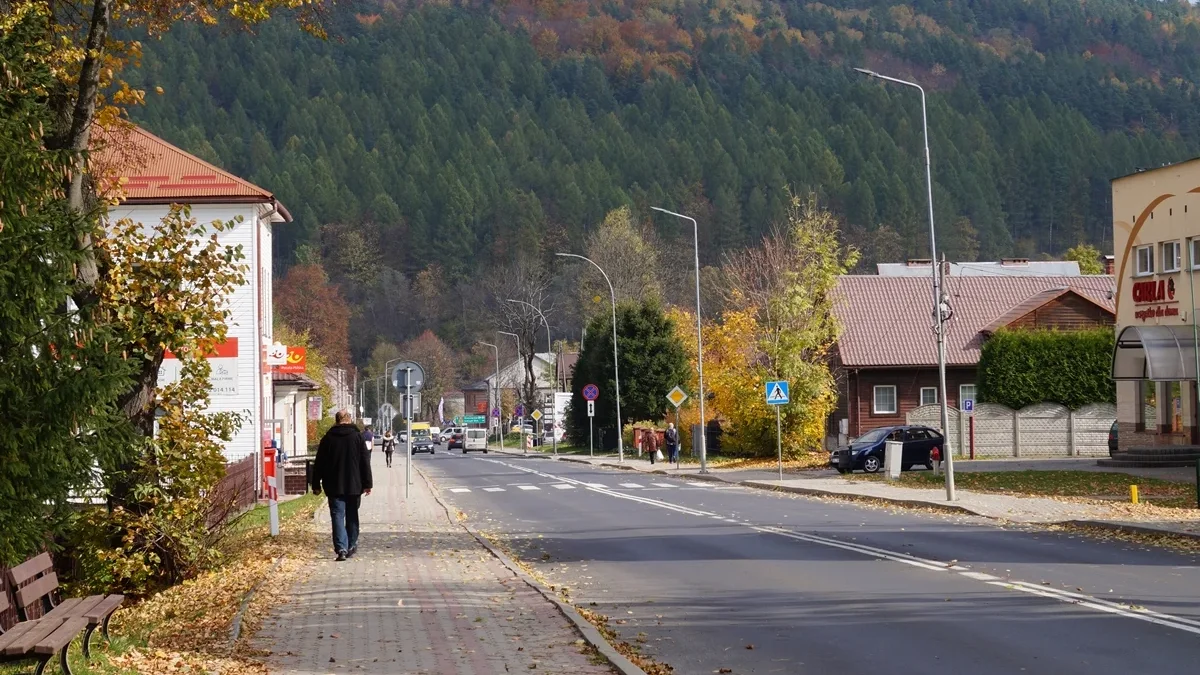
pixel 866 453
pixel 454 438
pixel 475 439
pixel 1112 439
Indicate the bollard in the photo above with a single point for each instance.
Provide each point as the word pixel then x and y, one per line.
pixel 1133 495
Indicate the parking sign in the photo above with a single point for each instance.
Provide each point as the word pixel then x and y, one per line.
pixel 968 405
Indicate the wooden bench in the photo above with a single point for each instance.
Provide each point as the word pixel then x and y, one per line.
pixel 39 639
pixel 42 584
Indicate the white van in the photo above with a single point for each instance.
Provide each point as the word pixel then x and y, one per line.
pixel 475 439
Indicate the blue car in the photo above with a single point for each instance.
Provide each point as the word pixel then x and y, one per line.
pixel 866 453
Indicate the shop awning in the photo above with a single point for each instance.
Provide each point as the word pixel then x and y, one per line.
pixel 1155 353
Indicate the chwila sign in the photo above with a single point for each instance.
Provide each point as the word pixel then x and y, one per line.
pixel 1158 298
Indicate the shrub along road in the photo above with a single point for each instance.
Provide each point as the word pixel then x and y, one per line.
pixel 704 576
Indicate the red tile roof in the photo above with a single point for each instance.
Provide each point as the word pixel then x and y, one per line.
pixel 150 170
pixel 887 321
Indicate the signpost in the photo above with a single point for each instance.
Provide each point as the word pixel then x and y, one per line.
pixel 677 396
pixel 968 407
pixel 537 418
pixel 777 395
pixel 411 376
pixel 592 413
pixel 591 392
pixel 520 415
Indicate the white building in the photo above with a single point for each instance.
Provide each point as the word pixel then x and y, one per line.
pixel 155 175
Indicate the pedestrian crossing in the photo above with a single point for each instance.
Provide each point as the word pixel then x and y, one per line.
pixel 525 487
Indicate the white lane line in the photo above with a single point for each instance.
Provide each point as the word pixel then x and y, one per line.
pixel 630 485
pixel 460 489
pixel 528 487
pixel 493 489
pixel 669 485
pixel 563 486
pixel 595 485
pixel 979 576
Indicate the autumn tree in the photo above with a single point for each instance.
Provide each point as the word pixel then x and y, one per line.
pixel 307 302
pixel 441 368
pixel 622 251
pixel 528 282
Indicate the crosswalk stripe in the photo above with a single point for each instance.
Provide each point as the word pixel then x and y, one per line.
pixel 663 484
pixel 563 486
pixel 460 489
pixel 529 487
pixel 630 485
pixel 493 489
pixel 596 485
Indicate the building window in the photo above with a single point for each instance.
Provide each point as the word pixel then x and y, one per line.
pixel 1170 256
pixel 1145 261
pixel 885 400
pixel 965 392
pixel 928 395
pixel 1194 250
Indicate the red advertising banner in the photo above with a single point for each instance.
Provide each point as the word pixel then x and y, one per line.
pixel 296 361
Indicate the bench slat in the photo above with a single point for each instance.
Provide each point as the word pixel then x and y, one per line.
pixel 30 569
pixel 4 603
pixel 39 631
pixel 62 636
pixel 66 608
pixel 14 633
pixel 33 592
pixel 109 605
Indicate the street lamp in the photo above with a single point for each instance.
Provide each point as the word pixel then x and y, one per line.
pixel 499 405
pixel 937 290
pixel 616 371
pixel 387 372
pixel 554 388
pixel 699 339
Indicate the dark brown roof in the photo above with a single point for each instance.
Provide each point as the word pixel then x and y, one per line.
pixel 1034 302
pixel 300 380
pixel 887 321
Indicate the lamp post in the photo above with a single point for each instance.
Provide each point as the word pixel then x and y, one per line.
pixel 616 371
pixel 699 340
pixel 939 320
pixel 499 405
pixel 554 388
pixel 387 371
pixel 517 339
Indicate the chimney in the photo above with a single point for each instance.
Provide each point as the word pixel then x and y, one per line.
pixel 918 262
pixel 1013 262
pixel 1109 264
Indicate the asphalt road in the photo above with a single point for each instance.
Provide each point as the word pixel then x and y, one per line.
pixel 705 577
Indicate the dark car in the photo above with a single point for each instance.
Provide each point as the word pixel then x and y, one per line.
pixel 1112 439
pixel 422 441
pixel 454 439
pixel 867 451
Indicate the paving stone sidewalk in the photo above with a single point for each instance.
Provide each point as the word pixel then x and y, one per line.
pixel 1039 510
pixel 421 597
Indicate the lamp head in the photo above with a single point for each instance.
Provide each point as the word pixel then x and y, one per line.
pixel 868 73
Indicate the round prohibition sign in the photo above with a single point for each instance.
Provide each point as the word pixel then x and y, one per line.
pixel 591 392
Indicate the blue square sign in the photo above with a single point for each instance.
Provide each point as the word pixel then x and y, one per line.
pixel 777 393
pixel 968 405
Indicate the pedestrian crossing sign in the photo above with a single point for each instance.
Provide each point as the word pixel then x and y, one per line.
pixel 777 393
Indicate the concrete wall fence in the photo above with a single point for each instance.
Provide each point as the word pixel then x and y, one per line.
pixel 1040 430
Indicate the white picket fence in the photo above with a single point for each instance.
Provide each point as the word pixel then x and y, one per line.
pixel 1041 430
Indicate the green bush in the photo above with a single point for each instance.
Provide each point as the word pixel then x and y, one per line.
pixel 1022 367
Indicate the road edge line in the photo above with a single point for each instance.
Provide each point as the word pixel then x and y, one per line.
pixel 590 633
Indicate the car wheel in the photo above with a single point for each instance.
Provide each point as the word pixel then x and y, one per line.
pixel 431 451
pixel 871 464
pixel 906 467
pixel 485 452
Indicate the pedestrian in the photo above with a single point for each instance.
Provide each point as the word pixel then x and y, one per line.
pixel 650 444
pixel 671 439
pixel 368 438
pixel 389 446
pixel 343 470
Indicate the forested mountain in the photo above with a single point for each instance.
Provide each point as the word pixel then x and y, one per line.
pixel 464 135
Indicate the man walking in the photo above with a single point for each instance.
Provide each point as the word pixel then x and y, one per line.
pixel 368 438
pixel 343 470
pixel 671 439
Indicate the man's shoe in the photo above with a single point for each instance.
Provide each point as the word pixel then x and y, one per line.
pixel 352 551
pixel 341 555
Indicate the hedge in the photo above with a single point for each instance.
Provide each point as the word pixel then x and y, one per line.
pixel 1022 367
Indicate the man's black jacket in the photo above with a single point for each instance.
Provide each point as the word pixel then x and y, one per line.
pixel 343 466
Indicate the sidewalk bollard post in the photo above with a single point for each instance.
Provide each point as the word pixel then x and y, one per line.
pixel 272 490
pixel 1133 494
pixel 779 442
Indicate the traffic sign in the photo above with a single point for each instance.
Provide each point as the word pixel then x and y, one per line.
pixel 408 374
pixel 777 393
pixel 591 392
pixel 495 412
pixel 676 396
pixel 520 410
pixel 474 419
pixel 968 405
pixel 536 415
pixel 591 408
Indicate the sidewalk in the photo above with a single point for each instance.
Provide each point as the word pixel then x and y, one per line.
pixel 422 596
pixel 1009 508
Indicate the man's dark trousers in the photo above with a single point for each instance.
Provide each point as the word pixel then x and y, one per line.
pixel 343 511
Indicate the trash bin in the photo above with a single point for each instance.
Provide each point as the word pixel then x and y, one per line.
pixel 893 453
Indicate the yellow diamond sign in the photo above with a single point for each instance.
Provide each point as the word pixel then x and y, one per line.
pixel 676 397
pixel 536 415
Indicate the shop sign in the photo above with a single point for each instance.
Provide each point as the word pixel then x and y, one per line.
pixel 1155 298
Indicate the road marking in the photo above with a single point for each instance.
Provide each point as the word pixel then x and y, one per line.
pixel 563 486
pixel 460 489
pixel 529 487
pixel 1129 612
pixel 630 485
pixel 670 485
pixel 493 489
pixel 595 485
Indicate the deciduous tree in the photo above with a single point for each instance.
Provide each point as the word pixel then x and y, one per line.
pixel 306 301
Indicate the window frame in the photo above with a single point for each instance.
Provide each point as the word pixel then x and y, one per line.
pixel 875 410
pixel 974 393
pixel 1137 260
pixel 921 393
pixel 1193 249
pixel 1177 258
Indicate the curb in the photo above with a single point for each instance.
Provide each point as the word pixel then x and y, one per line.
pixel 1124 527
pixel 816 492
pixel 590 634
pixel 235 630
